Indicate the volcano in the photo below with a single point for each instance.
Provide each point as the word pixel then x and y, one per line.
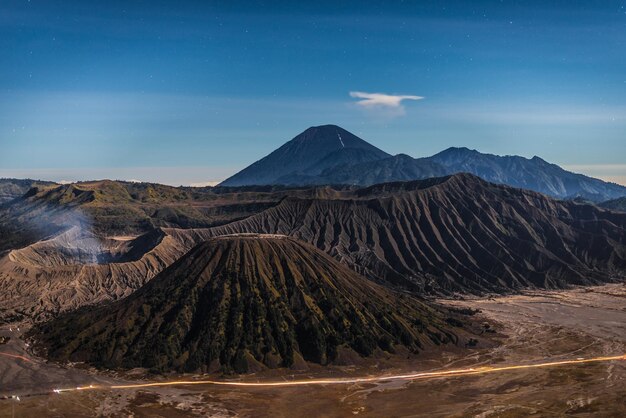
pixel 243 302
pixel 316 149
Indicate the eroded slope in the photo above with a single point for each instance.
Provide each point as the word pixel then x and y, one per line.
pixel 237 303
pixel 456 234
pixel 440 236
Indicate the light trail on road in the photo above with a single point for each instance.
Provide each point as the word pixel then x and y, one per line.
pixel 26 359
pixel 356 380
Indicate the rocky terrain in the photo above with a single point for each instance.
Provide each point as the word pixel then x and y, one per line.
pixel 77 268
pixel 615 204
pixel 532 328
pixel 13 188
pixel 443 236
pixel 240 303
pixel 454 234
pixel 110 208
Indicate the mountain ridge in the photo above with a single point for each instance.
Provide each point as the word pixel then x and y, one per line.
pixel 456 234
pixel 530 173
pixel 618 204
pixel 11 188
pixel 242 302
pixel 300 154
pixel 439 237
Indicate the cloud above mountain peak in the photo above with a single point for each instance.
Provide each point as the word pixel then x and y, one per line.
pixel 369 100
pixel 389 103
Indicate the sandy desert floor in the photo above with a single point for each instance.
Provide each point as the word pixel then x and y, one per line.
pixel 536 327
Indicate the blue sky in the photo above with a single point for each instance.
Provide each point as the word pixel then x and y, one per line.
pixel 189 92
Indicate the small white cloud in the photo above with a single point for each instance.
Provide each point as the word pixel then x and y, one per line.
pixel 65 182
pixel 205 184
pixel 382 101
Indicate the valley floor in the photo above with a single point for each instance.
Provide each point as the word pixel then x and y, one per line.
pixel 538 327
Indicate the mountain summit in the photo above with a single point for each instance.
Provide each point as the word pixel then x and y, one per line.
pixel 331 155
pixel 526 173
pixel 240 303
pixel 316 149
pixel 454 234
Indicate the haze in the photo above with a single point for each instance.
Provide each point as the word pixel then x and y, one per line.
pixel 190 93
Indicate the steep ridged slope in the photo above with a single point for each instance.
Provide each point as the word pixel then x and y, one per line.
pixel 62 273
pixel 436 236
pixel 235 303
pixel 457 234
pixel 122 208
pixel 77 246
pixel 615 204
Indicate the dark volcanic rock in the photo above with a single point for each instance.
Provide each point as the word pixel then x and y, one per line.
pixel 237 302
pixel 615 204
pixel 400 167
pixel 454 234
pixel 123 208
pixel 307 154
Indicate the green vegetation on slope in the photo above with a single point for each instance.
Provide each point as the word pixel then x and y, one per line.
pixel 239 303
pixel 13 188
pixel 111 208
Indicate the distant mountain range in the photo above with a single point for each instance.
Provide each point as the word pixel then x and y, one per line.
pixel 615 204
pixel 308 155
pixel 331 155
pixel 14 188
